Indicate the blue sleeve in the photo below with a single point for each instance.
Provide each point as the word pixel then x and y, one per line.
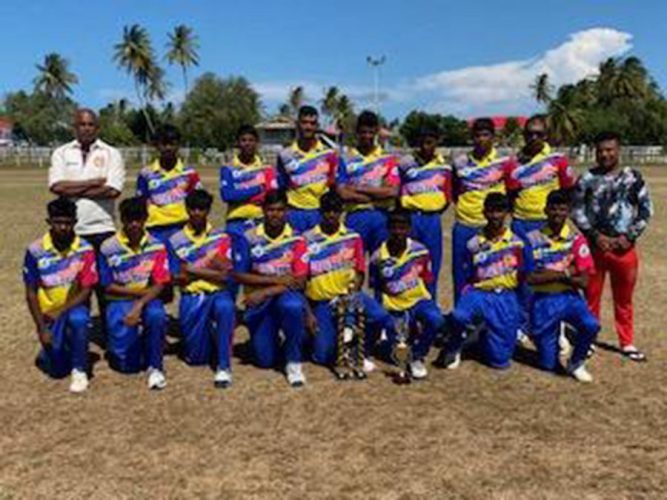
pixel 174 261
pixel 241 253
pixel 142 186
pixel 341 174
pixel 283 178
pixel 106 276
pixel 528 260
pixel 30 271
pixel 230 193
pixel 468 266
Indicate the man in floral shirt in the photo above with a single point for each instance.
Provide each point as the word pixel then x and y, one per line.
pixel 612 208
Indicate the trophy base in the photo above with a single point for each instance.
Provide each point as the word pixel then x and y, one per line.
pixel 350 374
pixel 402 378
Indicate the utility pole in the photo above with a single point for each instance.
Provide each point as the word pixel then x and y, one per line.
pixel 375 63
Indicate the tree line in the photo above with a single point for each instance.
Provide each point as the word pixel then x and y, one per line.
pixel 622 97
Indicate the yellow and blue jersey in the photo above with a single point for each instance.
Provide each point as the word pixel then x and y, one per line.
pixel 496 265
pixel 165 192
pixel 54 274
pixel 401 281
pixel 140 269
pixel 377 169
pixel 474 179
pixel 425 186
pixel 533 181
pixel 199 251
pixel 306 175
pixel 559 252
pixel 334 260
pixel 244 186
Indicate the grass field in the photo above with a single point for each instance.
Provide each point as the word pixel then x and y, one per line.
pixel 473 433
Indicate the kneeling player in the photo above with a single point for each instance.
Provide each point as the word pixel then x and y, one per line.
pixel 562 262
pixel 273 270
pixel 133 271
pixel 496 261
pixel 336 265
pixel 59 273
pixel 401 275
pixel 200 261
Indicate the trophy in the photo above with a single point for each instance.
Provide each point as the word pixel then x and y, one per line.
pixel 351 327
pixel 402 352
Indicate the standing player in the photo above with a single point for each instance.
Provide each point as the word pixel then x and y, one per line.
pixel 306 170
pixel 59 273
pixel 244 183
pixel 368 180
pixel 495 263
pixel 200 262
pixel 475 175
pixel 426 192
pixel 164 184
pixel 612 208
pixel 272 267
pixel 400 274
pixel 336 265
pixel 562 262
pixel 134 270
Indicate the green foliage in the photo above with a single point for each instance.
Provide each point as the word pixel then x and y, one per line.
pixel 454 132
pixel 54 78
pixel 215 108
pixel 511 132
pixel 40 118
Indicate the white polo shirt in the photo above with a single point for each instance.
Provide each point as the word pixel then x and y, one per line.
pixel 94 215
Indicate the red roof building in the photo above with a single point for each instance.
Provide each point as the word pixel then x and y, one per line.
pixel 500 121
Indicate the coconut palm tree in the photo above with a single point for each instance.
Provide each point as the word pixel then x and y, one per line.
pixel 329 102
pixel 295 99
pixel 542 89
pixel 564 122
pixel 54 78
pixel 182 50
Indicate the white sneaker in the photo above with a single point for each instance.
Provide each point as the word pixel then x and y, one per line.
pixel 156 379
pixel 295 375
pixel 455 363
pixel 564 345
pixel 223 379
pixel 79 381
pixel 369 365
pixel 418 369
pixel 581 374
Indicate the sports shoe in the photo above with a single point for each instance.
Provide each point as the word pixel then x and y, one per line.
pixel 156 379
pixel 564 344
pixel 523 339
pixel 295 375
pixel 418 369
pixel 79 381
pixel 581 374
pixel 452 361
pixel 223 379
pixel 369 365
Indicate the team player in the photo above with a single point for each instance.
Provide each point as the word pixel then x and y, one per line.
pixel 496 261
pixel 244 183
pixel 134 271
pixel 400 274
pixel 475 175
pixel 165 183
pixel 272 267
pixel 337 266
pixel 59 273
pixel 201 260
pixel 426 192
pixel 306 170
pixel 368 180
pixel 562 262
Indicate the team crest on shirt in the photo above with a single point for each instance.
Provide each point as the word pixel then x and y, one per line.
pixel 236 173
pixel 153 183
pixel 388 268
pixel 314 247
pixel 114 260
pixel 257 251
pixel 99 162
pixel 584 251
pixel 412 173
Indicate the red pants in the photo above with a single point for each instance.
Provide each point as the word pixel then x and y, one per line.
pixel 622 268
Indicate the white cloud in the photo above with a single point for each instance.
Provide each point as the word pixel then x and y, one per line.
pixel 504 87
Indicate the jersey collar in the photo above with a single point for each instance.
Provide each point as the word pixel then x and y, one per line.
pixel 437 159
pixel 287 232
pixel 506 237
pixel 315 149
pixel 384 251
pixel 490 157
pixel 373 155
pixel 190 232
pixel 155 167
pixel 256 162
pixel 47 243
pixel 546 151
pixel 342 231
pixel 562 236
pixel 125 241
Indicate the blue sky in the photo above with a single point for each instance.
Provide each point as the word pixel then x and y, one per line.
pixel 459 57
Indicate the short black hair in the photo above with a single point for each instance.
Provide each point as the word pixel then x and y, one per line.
pixel 559 197
pixel 246 130
pixel 199 199
pixel 537 118
pixel 607 135
pixel 331 202
pixel 428 131
pixel 307 110
pixel 399 215
pixel 367 119
pixel 61 207
pixel 167 134
pixel 277 196
pixel 497 201
pixel 134 208
pixel 483 124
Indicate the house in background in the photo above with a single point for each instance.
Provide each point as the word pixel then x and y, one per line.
pixel 499 122
pixel 6 132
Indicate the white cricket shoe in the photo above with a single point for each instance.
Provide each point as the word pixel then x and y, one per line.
pixel 455 362
pixel 156 379
pixel 222 379
pixel 295 376
pixel 418 369
pixel 581 374
pixel 369 365
pixel 564 344
pixel 79 381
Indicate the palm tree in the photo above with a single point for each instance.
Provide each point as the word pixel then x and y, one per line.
pixel 295 99
pixel 564 122
pixel 542 89
pixel 135 55
pixel 55 78
pixel 182 50
pixel 329 102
